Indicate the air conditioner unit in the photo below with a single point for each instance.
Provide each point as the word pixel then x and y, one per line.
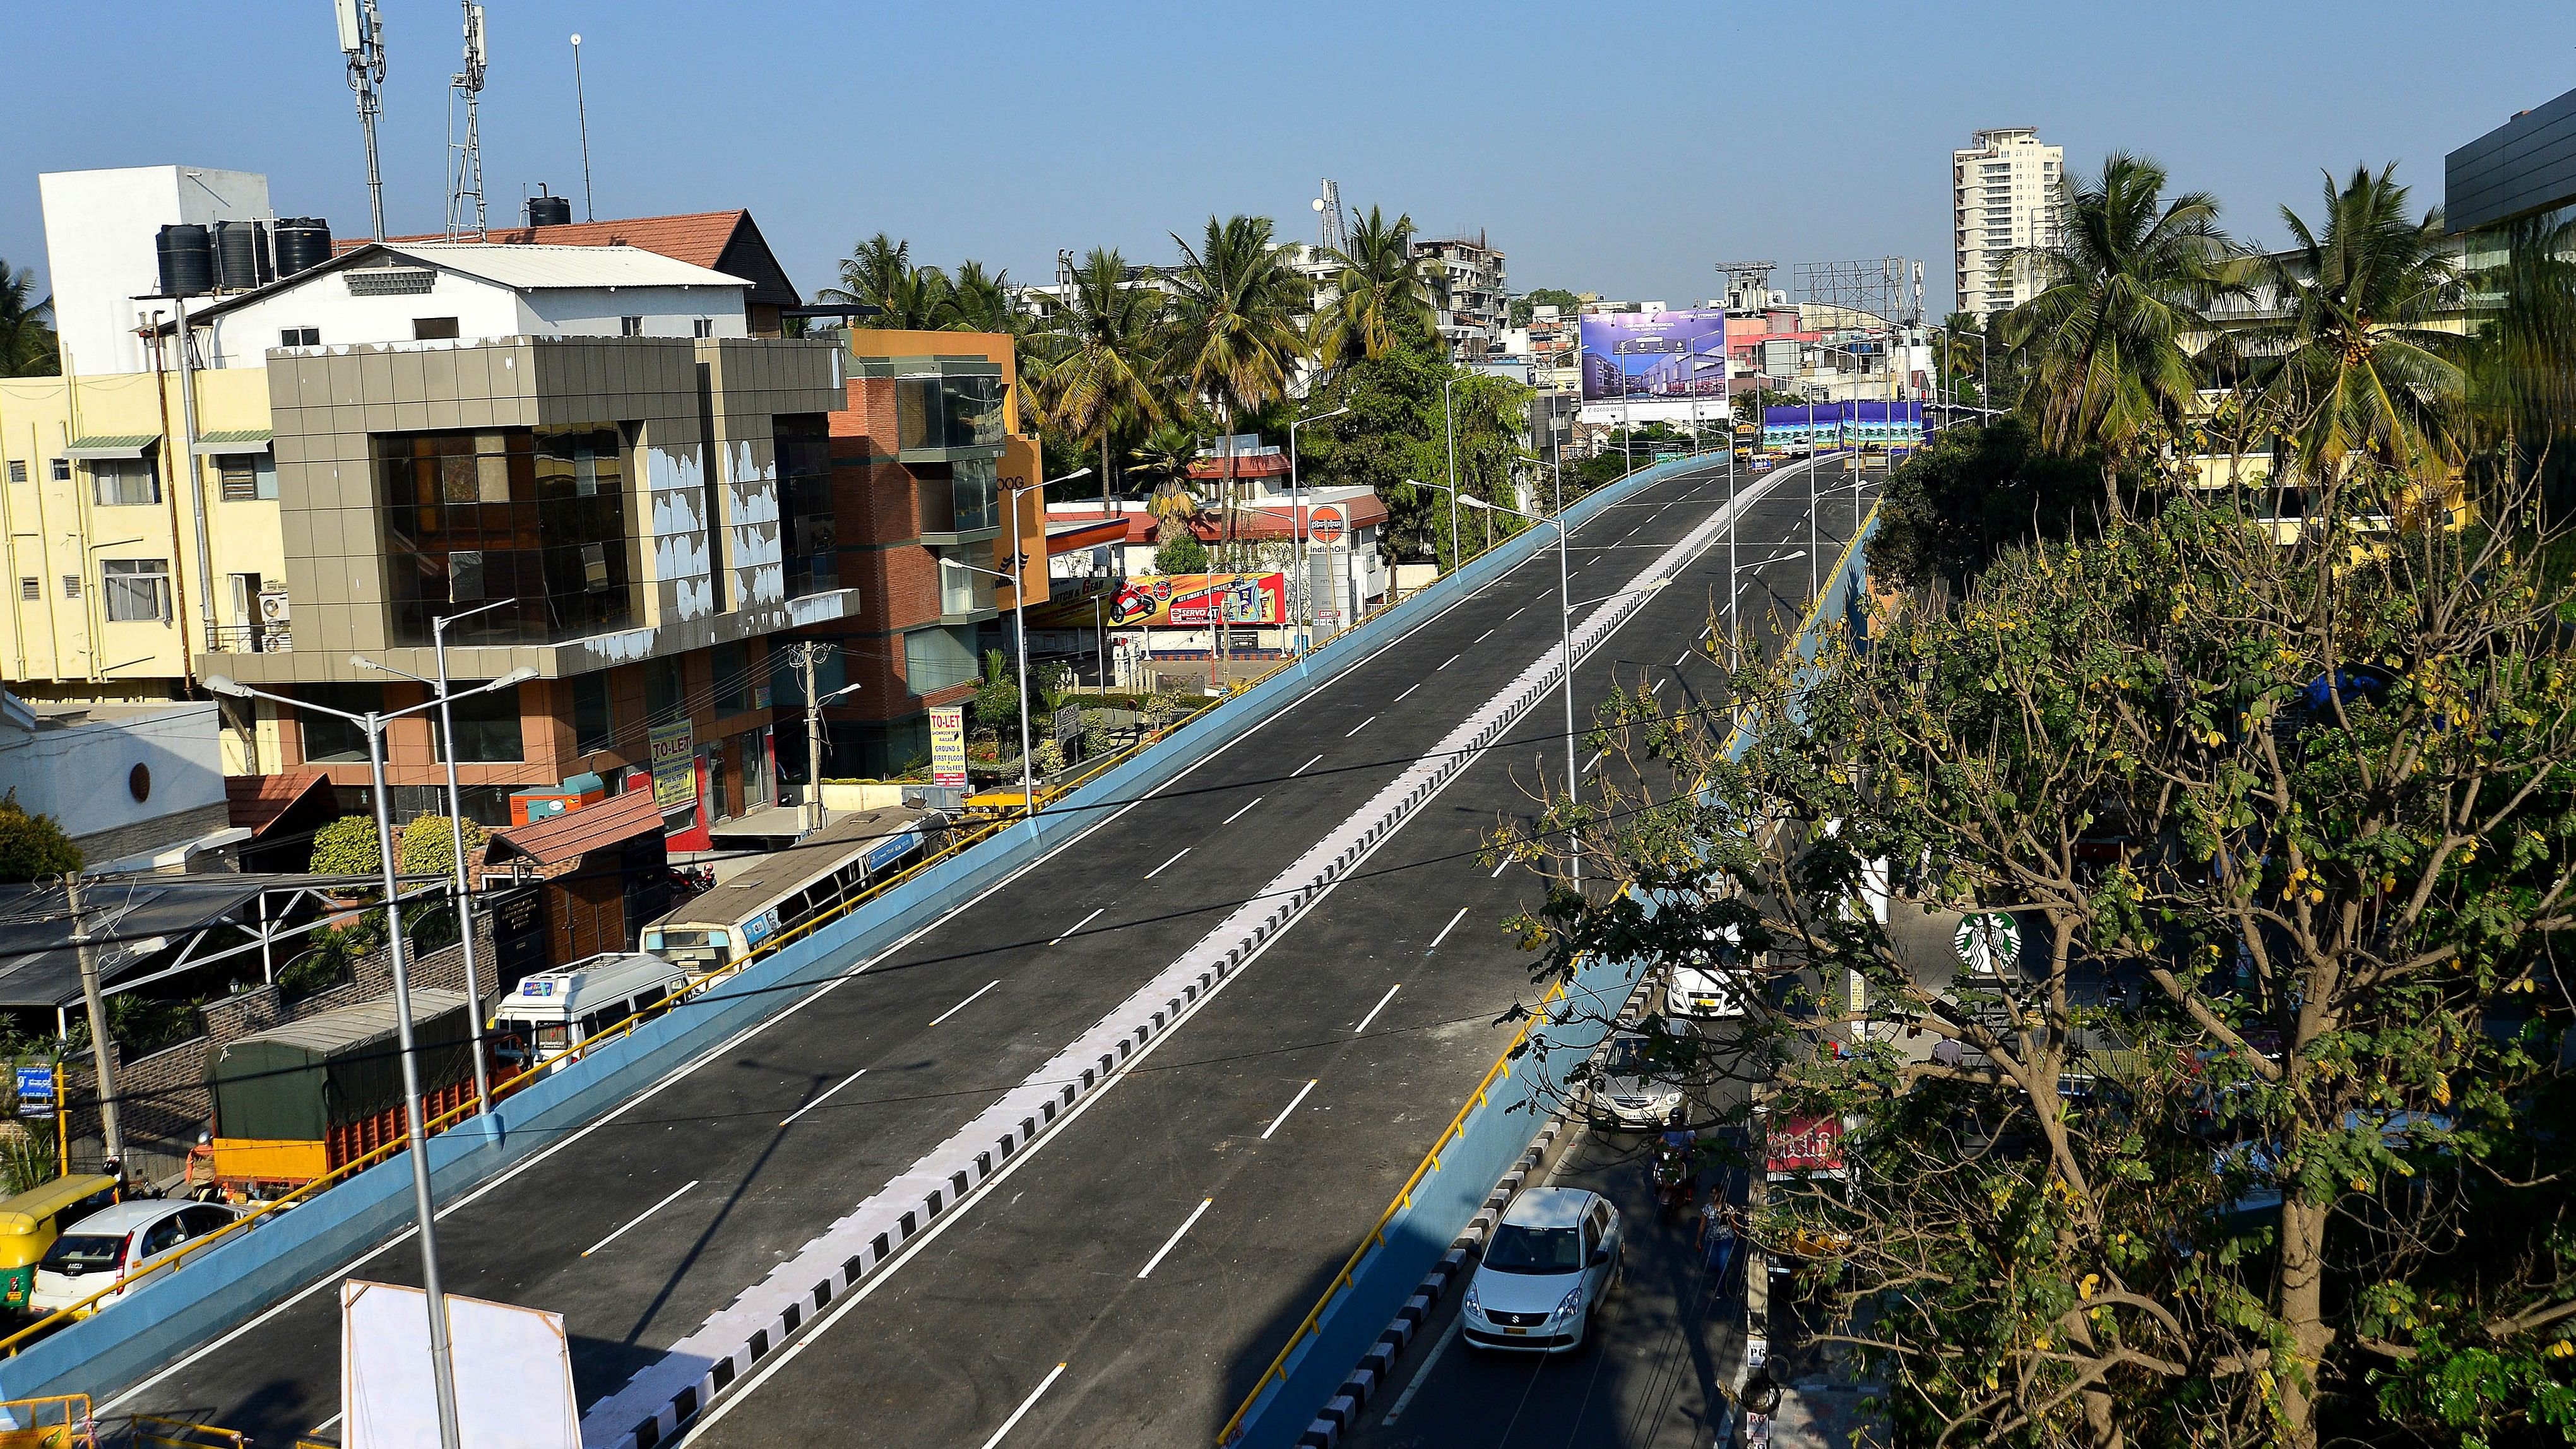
pixel 272 607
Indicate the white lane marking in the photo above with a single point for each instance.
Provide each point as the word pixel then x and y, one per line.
pixel 1448 1336
pixel 1174 1240
pixel 1237 815
pixel 639 1217
pixel 324 1427
pixel 1596 762
pixel 1026 1404
pixel 1290 1108
pixel 961 1006
pixel 1658 686
pixel 1374 1010
pixel 1596 558
pixel 1167 865
pixel 1685 659
pixel 1301 769
pixel 1445 930
pixel 1488 634
pixel 1445 663
pixel 1085 921
pixel 827 1096
pixel 1408 689
pixel 1514 614
pixel 688 1068
pixel 1505 865
pixel 1363 724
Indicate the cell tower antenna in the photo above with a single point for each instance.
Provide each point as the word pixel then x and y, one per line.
pixel 362 41
pixel 1329 232
pixel 467 183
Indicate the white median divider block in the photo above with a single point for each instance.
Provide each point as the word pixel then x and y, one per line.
pixel 668 1393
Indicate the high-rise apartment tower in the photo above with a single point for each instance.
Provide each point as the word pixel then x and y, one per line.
pixel 2003 196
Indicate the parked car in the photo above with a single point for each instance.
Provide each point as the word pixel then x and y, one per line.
pixel 1623 1091
pixel 123 1241
pixel 1550 1262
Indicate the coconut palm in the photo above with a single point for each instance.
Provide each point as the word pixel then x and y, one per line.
pixel 2353 367
pixel 1233 333
pixel 1102 381
pixel 2123 292
pixel 1383 295
pixel 871 271
pixel 978 301
pixel 27 345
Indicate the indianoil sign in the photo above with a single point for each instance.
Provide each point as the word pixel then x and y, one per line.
pixel 1325 525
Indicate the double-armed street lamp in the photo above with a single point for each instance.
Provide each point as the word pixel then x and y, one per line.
pixel 1020 625
pixel 372 724
pixel 1567 604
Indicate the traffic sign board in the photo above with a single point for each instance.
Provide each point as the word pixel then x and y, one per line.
pixel 1326 524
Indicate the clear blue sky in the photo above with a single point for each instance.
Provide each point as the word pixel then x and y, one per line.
pixel 1611 148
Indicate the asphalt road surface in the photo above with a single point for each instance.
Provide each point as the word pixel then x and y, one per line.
pixel 725 1169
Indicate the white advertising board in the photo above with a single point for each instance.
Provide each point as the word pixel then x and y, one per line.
pixel 513 1369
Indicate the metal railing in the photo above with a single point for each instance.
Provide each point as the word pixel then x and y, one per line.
pixel 250 638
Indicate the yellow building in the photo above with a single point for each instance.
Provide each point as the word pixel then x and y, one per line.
pixel 126 556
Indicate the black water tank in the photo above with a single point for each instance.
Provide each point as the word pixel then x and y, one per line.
pixel 549 211
pixel 187 260
pixel 237 255
pixel 302 242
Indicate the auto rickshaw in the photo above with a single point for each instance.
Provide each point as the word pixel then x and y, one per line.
pixel 31 1221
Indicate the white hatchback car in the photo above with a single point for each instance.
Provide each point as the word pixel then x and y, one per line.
pixel 1550 1262
pixel 120 1241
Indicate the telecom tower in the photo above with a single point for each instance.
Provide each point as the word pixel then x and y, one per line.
pixel 362 40
pixel 467 183
pixel 1329 233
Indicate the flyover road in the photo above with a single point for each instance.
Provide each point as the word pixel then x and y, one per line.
pixel 1163 1251
pixel 642 1225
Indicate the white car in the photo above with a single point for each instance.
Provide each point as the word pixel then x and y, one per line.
pixel 1706 991
pixel 117 1242
pixel 1550 1262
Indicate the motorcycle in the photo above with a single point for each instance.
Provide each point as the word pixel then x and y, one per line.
pixel 1672 1177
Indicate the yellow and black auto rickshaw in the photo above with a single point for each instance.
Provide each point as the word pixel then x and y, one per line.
pixel 31 1221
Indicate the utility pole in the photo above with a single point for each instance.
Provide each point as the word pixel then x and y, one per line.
pixel 98 1044
pixel 808 653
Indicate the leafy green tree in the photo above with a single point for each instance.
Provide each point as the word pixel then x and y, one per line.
pixel 1381 295
pixel 428 847
pixel 2360 370
pixel 2122 296
pixel 1105 384
pixel 980 301
pixel 1950 509
pixel 347 846
pixel 2262 1139
pixel 1524 305
pixel 2522 380
pixel 33 847
pixel 1181 553
pixel 879 273
pixel 997 699
pixel 28 347
pixel 1390 435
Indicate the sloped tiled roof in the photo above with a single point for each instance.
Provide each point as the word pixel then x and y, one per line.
pixel 255 802
pixel 562 839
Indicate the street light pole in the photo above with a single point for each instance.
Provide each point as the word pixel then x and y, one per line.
pixel 372 723
pixel 1449 424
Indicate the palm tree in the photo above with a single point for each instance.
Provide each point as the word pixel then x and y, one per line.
pixel 2121 293
pixel 981 302
pixel 2353 366
pixel 1383 295
pixel 879 273
pixel 2523 364
pixel 27 344
pixel 1102 383
pixel 1234 315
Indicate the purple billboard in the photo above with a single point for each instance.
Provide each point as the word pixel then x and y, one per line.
pixel 1654 354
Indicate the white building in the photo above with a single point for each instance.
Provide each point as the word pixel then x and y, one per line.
pixel 135 786
pixel 464 291
pixel 2003 196
pixel 100 233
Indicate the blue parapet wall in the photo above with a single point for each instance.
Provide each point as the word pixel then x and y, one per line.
pixel 227 1285
pixel 1498 1131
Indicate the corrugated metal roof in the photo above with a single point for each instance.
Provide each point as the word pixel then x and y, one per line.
pixel 542 267
pixel 255 802
pixel 349 1026
pixel 112 445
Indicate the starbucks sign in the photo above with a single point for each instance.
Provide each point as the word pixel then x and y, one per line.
pixel 1987 942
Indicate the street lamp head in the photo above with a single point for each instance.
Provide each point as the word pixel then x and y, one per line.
pixel 520 675
pixel 1470 500
pixel 1083 472
pixel 223 684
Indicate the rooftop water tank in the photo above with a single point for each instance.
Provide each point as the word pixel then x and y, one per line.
pixel 549 211
pixel 187 258
pixel 302 242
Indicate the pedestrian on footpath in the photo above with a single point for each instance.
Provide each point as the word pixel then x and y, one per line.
pixel 1716 1231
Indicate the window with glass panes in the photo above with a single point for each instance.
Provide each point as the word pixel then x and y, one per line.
pixel 593 728
pixel 532 515
pixel 123 482
pixel 805 527
pixel 135 590
pixel 247 476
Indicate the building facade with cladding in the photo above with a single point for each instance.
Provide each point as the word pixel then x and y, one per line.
pixel 2523 169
